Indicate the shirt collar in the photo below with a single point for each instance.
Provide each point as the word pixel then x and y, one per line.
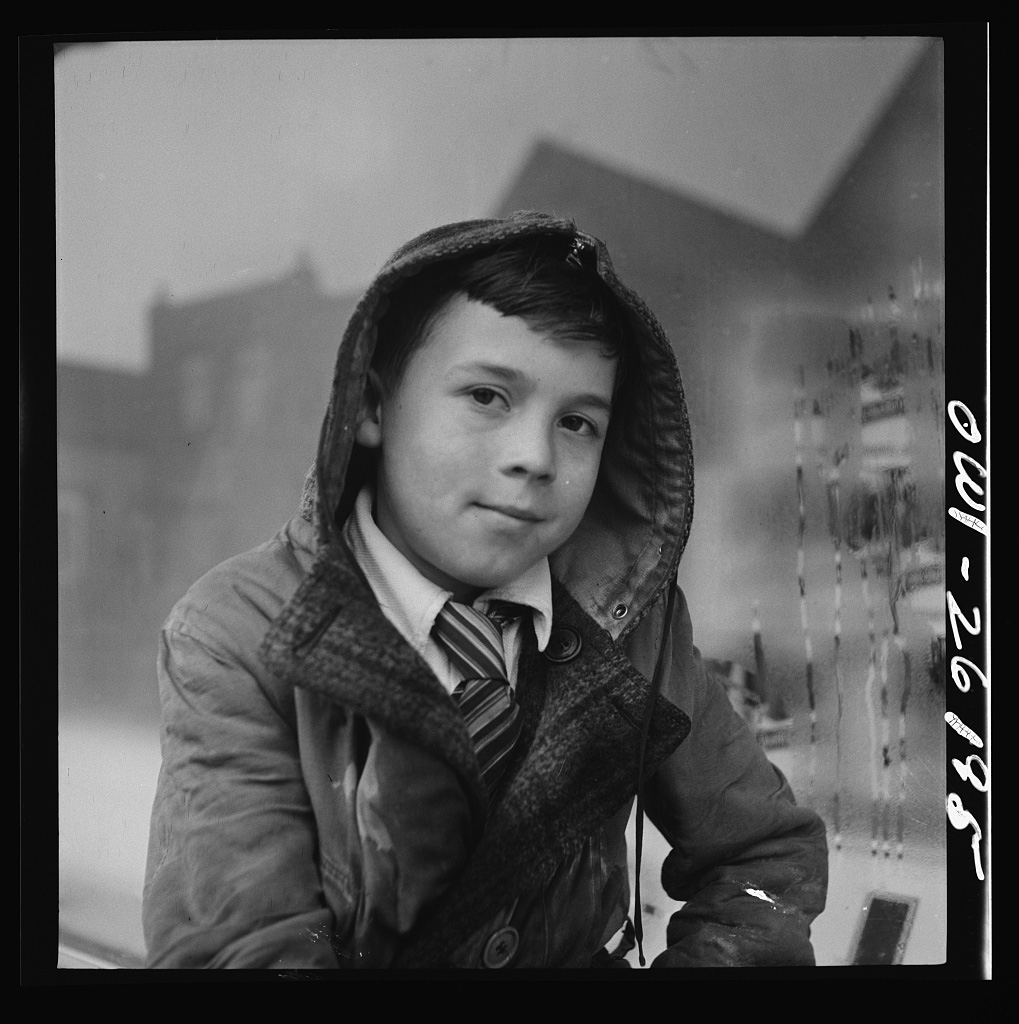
pixel 412 602
pixel 532 588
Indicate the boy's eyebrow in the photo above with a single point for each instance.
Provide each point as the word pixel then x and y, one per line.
pixel 512 376
pixel 505 373
pixel 598 401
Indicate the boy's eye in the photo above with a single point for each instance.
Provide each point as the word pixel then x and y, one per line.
pixel 484 396
pixel 578 425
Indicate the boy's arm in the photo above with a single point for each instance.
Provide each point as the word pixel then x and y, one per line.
pixel 751 865
pixel 232 879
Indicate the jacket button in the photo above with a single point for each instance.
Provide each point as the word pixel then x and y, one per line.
pixel 501 947
pixel 564 644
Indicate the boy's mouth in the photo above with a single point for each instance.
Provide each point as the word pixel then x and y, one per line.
pixel 514 512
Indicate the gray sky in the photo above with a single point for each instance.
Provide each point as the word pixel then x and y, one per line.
pixel 186 168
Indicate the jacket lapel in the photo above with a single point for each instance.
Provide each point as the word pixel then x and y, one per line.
pixel 333 639
pixel 574 766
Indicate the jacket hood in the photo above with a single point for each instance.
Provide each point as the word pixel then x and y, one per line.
pixel 627 549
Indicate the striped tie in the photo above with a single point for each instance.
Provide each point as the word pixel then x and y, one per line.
pixel 473 643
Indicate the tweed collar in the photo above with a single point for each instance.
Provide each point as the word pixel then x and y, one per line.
pixel 575 765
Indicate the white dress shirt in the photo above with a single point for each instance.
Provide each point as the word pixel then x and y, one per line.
pixel 411 602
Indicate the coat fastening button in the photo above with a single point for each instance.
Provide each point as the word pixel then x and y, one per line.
pixel 619 611
pixel 564 644
pixel 501 947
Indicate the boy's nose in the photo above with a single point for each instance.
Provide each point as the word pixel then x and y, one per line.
pixel 532 454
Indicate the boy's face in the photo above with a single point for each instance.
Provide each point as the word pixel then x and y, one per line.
pixel 489 446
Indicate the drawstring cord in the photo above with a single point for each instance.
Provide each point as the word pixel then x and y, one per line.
pixel 656 685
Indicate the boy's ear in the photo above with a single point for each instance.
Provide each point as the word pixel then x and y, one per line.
pixel 369 415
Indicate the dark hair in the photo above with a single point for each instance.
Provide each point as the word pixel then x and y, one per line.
pixel 548 282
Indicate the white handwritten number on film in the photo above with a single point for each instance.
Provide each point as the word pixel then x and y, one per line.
pixel 962 666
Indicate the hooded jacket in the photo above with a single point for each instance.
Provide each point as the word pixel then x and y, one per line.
pixel 319 803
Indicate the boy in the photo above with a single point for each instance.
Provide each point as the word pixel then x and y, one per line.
pixel 409 730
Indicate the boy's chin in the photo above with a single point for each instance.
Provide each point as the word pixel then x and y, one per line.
pixel 470 583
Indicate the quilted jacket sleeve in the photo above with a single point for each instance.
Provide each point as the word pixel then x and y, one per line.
pixel 751 865
pixel 231 879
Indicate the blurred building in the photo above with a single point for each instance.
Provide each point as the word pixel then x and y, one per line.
pixel 103 506
pixel 162 475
